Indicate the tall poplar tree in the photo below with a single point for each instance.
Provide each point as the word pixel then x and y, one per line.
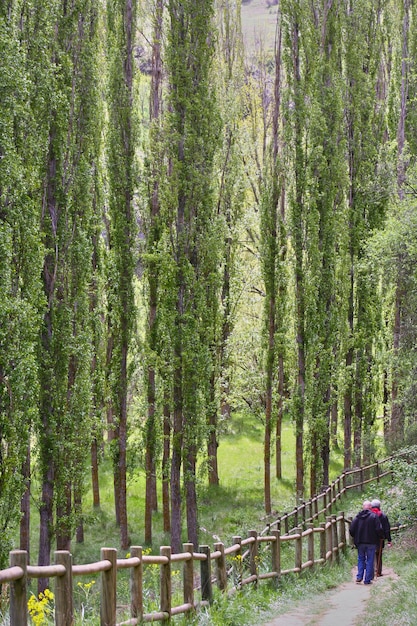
pixel 405 132
pixel 367 198
pixel 273 246
pixel 327 173
pixel 153 238
pixel 20 264
pixel 121 23
pixel 230 202
pixel 192 138
pixel 297 129
pixel 64 348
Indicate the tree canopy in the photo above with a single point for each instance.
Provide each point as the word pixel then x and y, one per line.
pixel 192 227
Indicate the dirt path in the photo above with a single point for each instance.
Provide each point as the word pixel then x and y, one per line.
pixel 344 606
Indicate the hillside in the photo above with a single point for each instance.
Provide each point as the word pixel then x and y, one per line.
pixel 258 23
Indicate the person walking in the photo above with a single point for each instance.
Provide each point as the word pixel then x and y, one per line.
pixel 386 527
pixel 366 530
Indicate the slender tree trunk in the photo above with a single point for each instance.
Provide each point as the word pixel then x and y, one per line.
pixel 166 468
pixel 47 461
pixel 397 419
pixel 176 462
pixel 405 62
pixel 334 420
pixel 122 461
pixel 280 413
pixel 150 463
pixel 25 506
pixel 46 523
pixel 63 517
pixel 153 237
pixel 191 495
pixel 358 421
pixel 78 510
pixel 298 221
pixel 212 443
pixel 385 411
pixel 94 474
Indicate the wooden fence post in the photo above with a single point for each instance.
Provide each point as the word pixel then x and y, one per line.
pixel 295 513
pixel 310 544
pixel 298 548
pixel 323 541
pixel 221 567
pixel 253 555
pixel 165 582
pixel 342 531
pixel 276 555
pixel 329 538
pixel 316 508
pixel 335 539
pixel 205 574
pixel 64 610
pixel 303 513
pixel 238 566
pixel 18 599
pixel 329 498
pixel 136 584
pixel 108 588
pixel 286 523
pixel 188 575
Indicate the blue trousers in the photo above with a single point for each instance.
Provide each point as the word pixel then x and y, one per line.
pixel 366 557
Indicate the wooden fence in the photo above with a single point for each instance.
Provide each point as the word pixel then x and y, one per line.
pixel 229 568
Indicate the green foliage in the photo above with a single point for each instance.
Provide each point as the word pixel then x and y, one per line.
pixel 20 263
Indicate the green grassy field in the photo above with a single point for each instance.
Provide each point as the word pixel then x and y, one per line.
pixel 233 508
pixel 258 24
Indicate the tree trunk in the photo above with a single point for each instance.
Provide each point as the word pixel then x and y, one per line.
pixel 63 517
pixel 46 523
pixel 78 510
pixel 94 474
pixel 25 507
pixel 397 417
pixel 166 468
pixel 191 496
pixel 153 240
pixel 212 444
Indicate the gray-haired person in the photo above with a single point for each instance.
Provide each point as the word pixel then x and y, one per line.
pixel 366 531
pixel 386 527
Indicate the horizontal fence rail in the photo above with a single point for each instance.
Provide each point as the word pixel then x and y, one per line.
pixel 292 543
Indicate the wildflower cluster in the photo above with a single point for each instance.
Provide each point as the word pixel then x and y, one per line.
pixel 41 608
pixel 85 588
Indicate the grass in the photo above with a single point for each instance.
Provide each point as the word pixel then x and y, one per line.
pixel 233 508
pixel 396 603
pixel 258 24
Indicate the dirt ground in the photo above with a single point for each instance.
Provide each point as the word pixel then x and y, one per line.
pixel 344 606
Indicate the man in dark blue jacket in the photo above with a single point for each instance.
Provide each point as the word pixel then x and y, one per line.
pixel 367 532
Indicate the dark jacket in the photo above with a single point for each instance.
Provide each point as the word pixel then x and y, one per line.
pixel 366 528
pixel 386 526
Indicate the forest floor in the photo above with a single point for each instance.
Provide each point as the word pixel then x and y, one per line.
pixel 343 606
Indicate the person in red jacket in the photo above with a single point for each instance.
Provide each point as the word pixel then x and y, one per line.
pixel 366 531
pixel 386 527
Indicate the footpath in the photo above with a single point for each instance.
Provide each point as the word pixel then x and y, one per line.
pixel 343 606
